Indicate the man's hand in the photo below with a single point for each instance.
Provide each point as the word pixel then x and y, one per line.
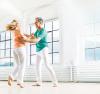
pixel 31 36
pixel 28 38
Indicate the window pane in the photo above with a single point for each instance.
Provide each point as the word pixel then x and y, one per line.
pixel 11 35
pixel 49 37
pixel 28 49
pixel 55 35
pixel 0 37
pixel 33 29
pixel 12 43
pixel 12 60
pixel 33 59
pixel 11 52
pixel 48 26
pixel 97 53
pixel 7 44
pixel 50 47
pixel 33 49
pixel 89 54
pixel 7 52
pixel 56 46
pixel 7 35
pixel 5 62
pixel 2 45
pixel 97 28
pixel 56 58
pixel 55 25
pixel 3 36
pixel 2 52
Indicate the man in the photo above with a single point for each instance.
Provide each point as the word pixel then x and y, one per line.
pixel 40 38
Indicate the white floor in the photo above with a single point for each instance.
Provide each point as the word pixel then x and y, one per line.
pixel 46 88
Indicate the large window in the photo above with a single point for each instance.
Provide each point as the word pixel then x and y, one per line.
pixel 52 28
pixel 92 52
pixel 92 47
pixel 5 49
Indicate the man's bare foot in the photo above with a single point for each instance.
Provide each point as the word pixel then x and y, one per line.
pixel 55 84
pixel 37 84
pixel 9 80
pixel 20 85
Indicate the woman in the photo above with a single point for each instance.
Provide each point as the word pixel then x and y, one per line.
pixel 40 38
pixel 18 54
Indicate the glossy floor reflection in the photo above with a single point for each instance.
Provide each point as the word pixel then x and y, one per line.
pixel 46 88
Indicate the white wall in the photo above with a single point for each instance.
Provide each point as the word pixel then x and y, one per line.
pixel 69 27
pixel 75 17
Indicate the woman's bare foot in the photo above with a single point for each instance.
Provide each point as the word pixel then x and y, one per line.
pixel 9 80
pixel 18 84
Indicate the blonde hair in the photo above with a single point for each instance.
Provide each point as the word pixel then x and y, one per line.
pixel 11 26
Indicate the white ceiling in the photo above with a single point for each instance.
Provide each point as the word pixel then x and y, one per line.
pixel 24 5
pixel 10 9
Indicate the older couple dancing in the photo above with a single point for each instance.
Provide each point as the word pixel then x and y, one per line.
pixel 40 39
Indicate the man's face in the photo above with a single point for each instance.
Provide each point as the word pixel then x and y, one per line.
pixel 37 23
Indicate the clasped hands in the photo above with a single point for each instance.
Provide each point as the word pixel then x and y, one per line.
pixel 27 38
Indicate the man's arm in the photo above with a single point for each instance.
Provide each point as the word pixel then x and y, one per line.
pixel 34 40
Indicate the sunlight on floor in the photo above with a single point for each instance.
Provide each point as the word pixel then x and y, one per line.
pixel 46 88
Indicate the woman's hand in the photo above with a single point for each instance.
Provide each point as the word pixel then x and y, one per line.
pixel 26 35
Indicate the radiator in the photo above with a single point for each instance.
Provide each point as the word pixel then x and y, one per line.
pixel 86 73
pixel 62 72
pixel 81 73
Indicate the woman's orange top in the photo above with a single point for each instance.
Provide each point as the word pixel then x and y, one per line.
pixel 17 40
